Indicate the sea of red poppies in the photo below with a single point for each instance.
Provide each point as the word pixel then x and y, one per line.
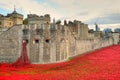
pixel 103 64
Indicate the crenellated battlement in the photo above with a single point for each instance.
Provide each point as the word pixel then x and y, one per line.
pixel 35 19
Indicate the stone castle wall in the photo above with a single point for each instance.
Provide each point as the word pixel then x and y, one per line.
pixel 47 43
pixel 10 44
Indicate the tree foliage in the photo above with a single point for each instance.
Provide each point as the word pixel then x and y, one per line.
pixel 25 21
pixel 58 22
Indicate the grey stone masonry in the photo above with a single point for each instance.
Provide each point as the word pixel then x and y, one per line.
pixel 48 43
pixel 10 44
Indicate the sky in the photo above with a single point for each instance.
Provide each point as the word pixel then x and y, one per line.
pixel 106 13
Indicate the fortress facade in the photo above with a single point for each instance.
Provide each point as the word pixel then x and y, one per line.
pixel 50 42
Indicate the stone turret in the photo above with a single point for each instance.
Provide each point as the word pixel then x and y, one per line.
pixel 11 19
pixel 16 17
pixel 39 20
pixel 79 29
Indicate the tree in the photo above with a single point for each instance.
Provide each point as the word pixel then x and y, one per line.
pixel 25 21
pixel 91 31
pixel 58 22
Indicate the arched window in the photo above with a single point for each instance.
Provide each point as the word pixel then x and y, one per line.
pixel 47 40
pixel 36 41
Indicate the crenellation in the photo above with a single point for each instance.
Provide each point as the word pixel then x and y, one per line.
pixel 35 19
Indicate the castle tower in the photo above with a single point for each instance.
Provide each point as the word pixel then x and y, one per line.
pixel 11 19
pixel 39 20
pixel 16 17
